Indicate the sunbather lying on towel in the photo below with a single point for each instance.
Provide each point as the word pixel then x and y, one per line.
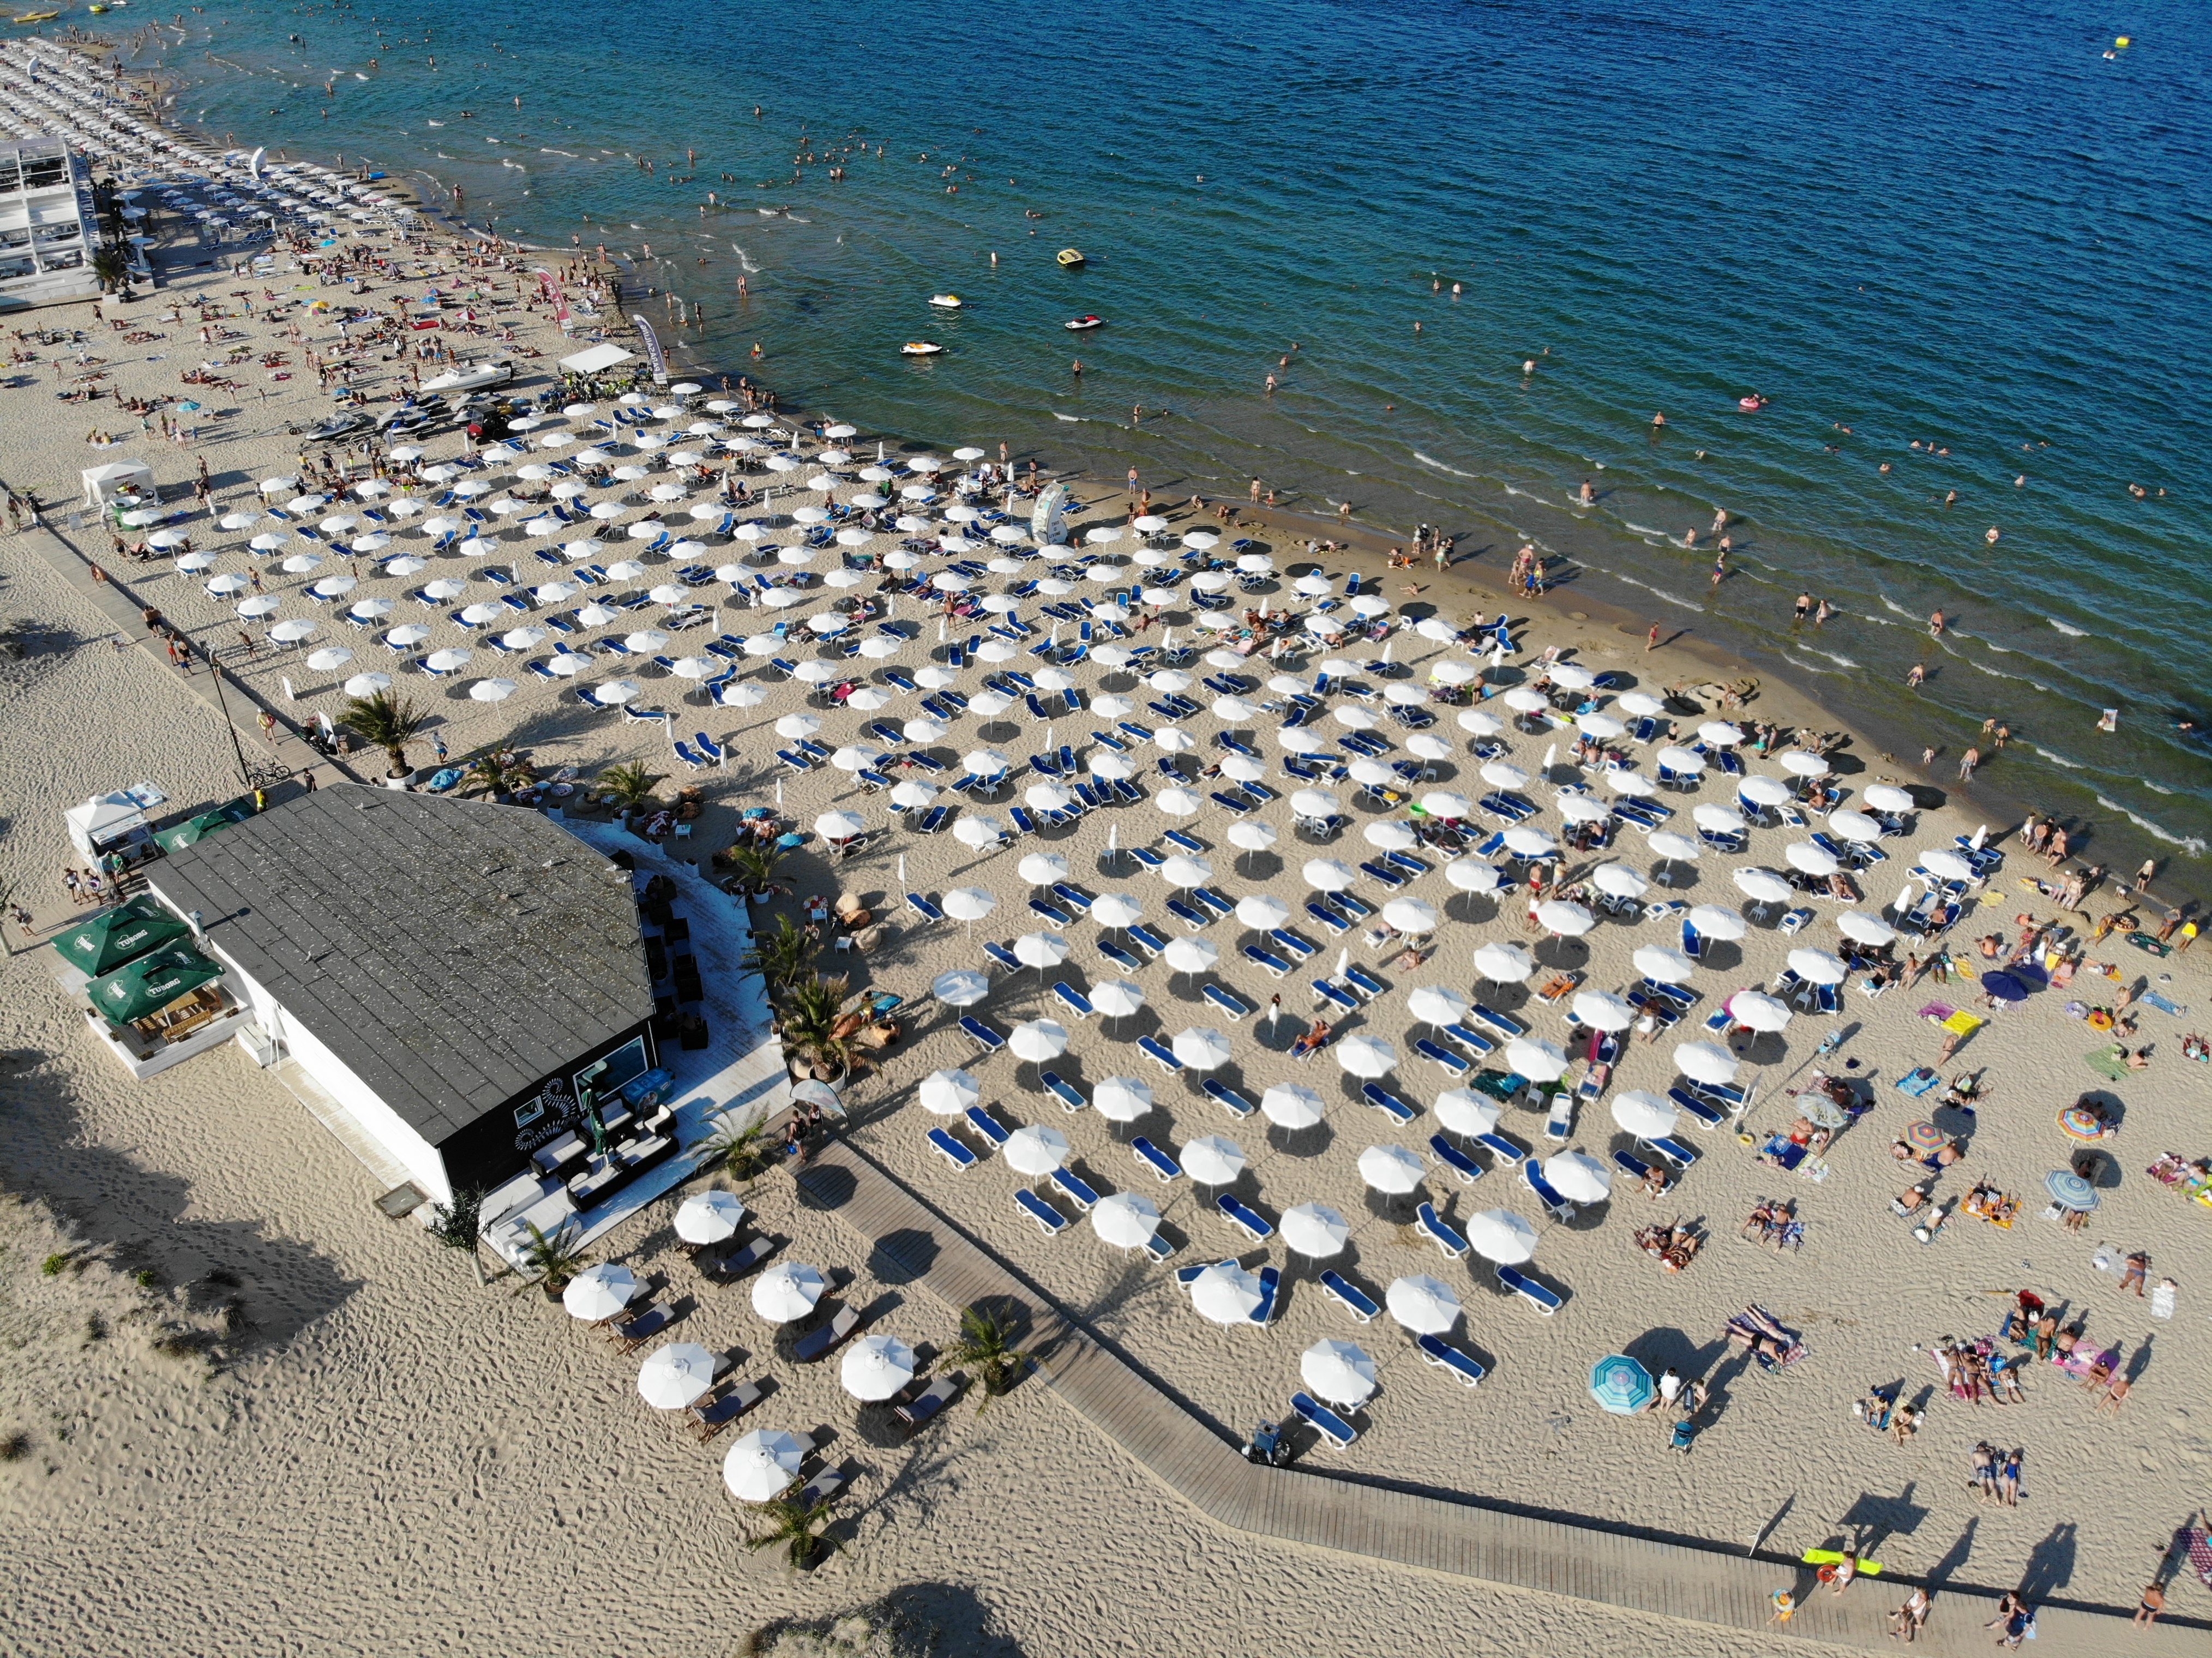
pixel 1676 1246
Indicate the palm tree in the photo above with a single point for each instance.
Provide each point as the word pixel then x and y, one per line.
pixel 986 1341
pixel 811 1013
pixel 552 1257
pixel 386 722
pixel 744 1153
pixel 629 787
pixel 502 771
pixel 780 956
pixel 791 1524
pixel 755 867
pixel 112 265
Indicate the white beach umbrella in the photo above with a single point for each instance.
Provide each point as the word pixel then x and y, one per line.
pixel 1041 949
pixel 1633 783
pixel 1224 1293
pixel 709 1217
pixel 1121 1099
pixel 1422 1304
pixel 1804 855
pixel 1526 842
pixel 1188 954
pixel 676 1375
pixel 1762 884
pixel 1116 999
pixel 1326 874
pixel 1619 881
pixel 1763 791
pixel 1338 1371
pixel 1884 797
pixel 291 632
pixel 969 903
pixel 1720 819
pixel 599 1292
pixel 1578 1177
pixel 1479 723
pixel 1037 1041
pixel 949 1093
pixel 1436 1005
pixel 1463 1111
pixel 1855 826
pixel 1704 1062
pixel 1600 1010
pixel 1866 929
pixel 1803 764
pixel 1817 967
pixel 1186 871
pixel 876 1367
pixel 1361 1055
pixel 1538 1061
pixel 367 684
pixel 1261 911
pixel 1471 875
pixel 1644 1114
pixel 1758 1011
pixel 1568 920
pixel 1717 922
pixel 331 656
pixel 491 690
pixel 1211 1160
pixel 762 1466
pixel 1034 1150
pixel 1116 909
pixel 1288 1105
pixel 1391 1168
pixel 1944 863
pixel 1200 1047
pixel 1253 836
pixel 1501 1236
pixel 787 1290
pixel 1125 1220
pixel 1503 963
pixel 1315 1231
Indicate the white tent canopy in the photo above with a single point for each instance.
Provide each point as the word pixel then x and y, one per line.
pixel 596 358
pixel 100 482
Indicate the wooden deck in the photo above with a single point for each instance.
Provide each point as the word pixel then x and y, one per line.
pixel 1455 1534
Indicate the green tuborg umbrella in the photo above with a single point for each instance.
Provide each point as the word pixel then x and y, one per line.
pixel 151 983
pixel 115 936
pixel 194 830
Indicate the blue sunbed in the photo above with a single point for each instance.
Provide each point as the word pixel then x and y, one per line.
pixel 951 1150
pixel 1159 1054
pixel 1434 1227
pixel 1544 1300
pixel 1075 1189
pixel 1448 1358
pixel 1457 1161
pixel 1222 1093
pixel 1353 1299
pixel 1049 1220
pixel 1155 1159
pixel 987 1125
pixel 982 1032
pixel 1249 1222
pixel 1382 1100
pixel 1061 1090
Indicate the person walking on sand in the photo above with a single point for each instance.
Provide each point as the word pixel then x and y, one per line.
pixel 2150 1603
pixel 1651 639
pixel 1936 625
pixel 1905 1622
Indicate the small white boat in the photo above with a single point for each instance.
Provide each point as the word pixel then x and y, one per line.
pixel 946 301
pixel 920 349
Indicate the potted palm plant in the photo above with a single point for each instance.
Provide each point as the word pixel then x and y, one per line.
pixel 554 1257
pixel 797 1527
pixel 390 723
pixel 627 789
pixel 986 1342
pixel 816 1034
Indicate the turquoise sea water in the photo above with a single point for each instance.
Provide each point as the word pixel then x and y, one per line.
pixel 1973 230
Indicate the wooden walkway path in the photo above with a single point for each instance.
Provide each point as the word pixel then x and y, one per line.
pixel 1586 1560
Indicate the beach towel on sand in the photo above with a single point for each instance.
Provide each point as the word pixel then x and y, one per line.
pixel 2101 1062
pixel 1916 1083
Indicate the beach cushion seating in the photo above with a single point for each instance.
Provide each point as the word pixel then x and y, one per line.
pixel 1434 1227
pixel 1335 1430
pixel 1227 1002
pixel 1005 957
pixel 1543 1299
pixel 1122 958
pixel 1353 1299
pixel 1227 1098
pixel 1382 1100
pixel 951 1150
pixel 825 1484
pixel 710 1419
pixel 1441 1057
pixel 1336 995
pixel 1155 1159
pixel 982 1032
pixel 1631 1165
pixel 1329 918
pixel 923 908
pixel 1159 1054
pixel 1389 878
pixel 1474 1040
pixel 1490 1019
pixel 1561 1121
pixel 987 1125
pixel 819 1342
pixel 1146 856
pixel 1127 792
pixel 1056 919
pixel 1146 940
pixel 1457 1161
pixel 1499 1147
pixel 1699 1110
pixel 1271 1286
pixel 1674 1151
pixel 1062 1091
pixel 933 820
pixel 1073 896
pixel 740 1261
pixel 1554 1204
pixel 1249 1222
pixel 1113 742
pixel 1290 944
pixel 1072 1000
pixel 942 1391
pixel 1192 918
pixel 1075 1189
pixel 1049 1220
pixel 630 1333
pixel 1442 1356
pixel 1158 1247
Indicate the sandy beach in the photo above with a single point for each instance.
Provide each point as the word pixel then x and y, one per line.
pixel 305 1428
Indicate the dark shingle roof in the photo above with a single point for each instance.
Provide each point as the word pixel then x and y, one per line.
pixel 424 940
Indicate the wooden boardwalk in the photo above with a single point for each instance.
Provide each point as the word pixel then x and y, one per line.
pixel 1457 1535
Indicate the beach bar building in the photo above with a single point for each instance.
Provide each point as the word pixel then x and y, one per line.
pixel 462 983
pixel 47 229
